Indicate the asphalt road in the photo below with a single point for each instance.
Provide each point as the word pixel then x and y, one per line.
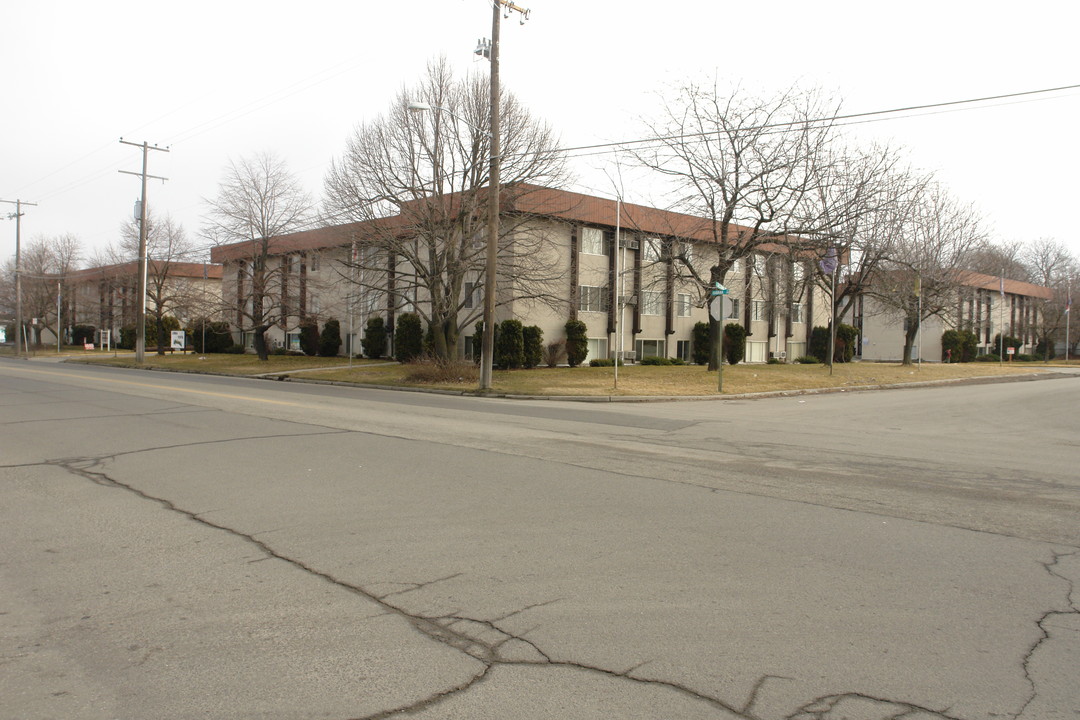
pixel 181 546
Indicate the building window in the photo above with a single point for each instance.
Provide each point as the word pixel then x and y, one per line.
pixel 597 348
pixel 652 303
pixel 798 270
pixel 797 312
pixel 757 310
pixel 736 265
pixel 592 299
pixel 688 252
pixel 683 305
pixel 292 341
pixel 649 348
pixel 313 262
pixel 592 241
pixel 652 249
pixel 682 350
pixel 470 292
pixel 734 314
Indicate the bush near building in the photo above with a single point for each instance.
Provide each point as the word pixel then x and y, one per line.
pixel 577 343
pixel 699 344
pixel 408 337
pixel 533 338
pixel 734 343
pixel 330 339
pixel 218 336
pixel 374 341
pixel 510 346
pixel 962 343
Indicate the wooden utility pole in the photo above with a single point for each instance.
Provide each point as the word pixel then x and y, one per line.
pixel 20 338
pixel 140 322
pixel 488 348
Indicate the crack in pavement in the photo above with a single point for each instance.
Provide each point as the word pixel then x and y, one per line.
pixel 491 645
pixel 1074 609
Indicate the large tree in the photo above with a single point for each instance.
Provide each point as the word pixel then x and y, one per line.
pixel 419 180
pixel 1050 264
pixel 166 294
pixel 749 166
pixel 46 263
pixel 258 200
pixel 927 262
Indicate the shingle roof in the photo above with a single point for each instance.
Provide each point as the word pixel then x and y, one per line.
pixel 176 270
pixel 1013 287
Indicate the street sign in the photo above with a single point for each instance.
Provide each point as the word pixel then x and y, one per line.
pixel 717 289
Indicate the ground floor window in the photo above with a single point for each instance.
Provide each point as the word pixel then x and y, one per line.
pixel 249 340
pixel 649 348
pixel 682 350
pixel 796 350
pixel 597 349
pixel 292 341
pixel 756 351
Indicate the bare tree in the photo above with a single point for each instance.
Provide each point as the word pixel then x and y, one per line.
pixel 46 264
pixel 258 200
pixel 748 166
pixel 1004 259
pixel 166 245
pixel 927 262
pixel 1050 264
pixel 416 181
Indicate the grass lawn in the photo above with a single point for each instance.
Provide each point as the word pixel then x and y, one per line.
pixel 688 380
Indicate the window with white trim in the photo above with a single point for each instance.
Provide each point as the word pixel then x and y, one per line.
pixel 683 305
pixel 798 271
pixel 734 314
pixel 682 350
pixel 757 310
pixel 592 298
pixel 652 249
pixel 470 294
pixel 649 348
pixel 798 312
pixel 652 303
pixel 597 348
pixel 592 241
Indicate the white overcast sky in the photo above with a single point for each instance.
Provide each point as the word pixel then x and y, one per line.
pixel 220 80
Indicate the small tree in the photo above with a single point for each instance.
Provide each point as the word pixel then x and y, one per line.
pixel 533 338
pixel 577 343
pixel 962 343
pixel 554 353
pixel 330 338
pixel 700 346
pixel 510 349
pixel 409 337
pixel 157 332
pixel 374 340
pixel 1010 342
pixel 734 343
pixel 127 338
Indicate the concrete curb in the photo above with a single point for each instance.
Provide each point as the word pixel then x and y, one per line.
pixel 286 377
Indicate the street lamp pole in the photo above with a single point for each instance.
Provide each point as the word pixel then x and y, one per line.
pixel 487 353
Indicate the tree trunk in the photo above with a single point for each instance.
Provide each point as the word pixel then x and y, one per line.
pixel 909 342
pixel 260 342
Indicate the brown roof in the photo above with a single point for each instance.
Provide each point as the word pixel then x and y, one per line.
pixel 519 198
pixel 1013 287
pixel 176 269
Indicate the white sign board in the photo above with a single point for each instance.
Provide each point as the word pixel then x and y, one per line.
pixel 177 339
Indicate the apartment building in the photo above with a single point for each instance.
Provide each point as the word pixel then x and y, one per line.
pixel 985 304
pixel 621 268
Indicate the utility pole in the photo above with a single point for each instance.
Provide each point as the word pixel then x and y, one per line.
pixel 488 347
pixel 20 338
pixel 140 322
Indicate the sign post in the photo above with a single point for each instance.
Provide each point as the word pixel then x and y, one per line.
pixel 718 294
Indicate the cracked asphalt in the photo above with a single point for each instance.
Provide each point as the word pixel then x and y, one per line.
pixel 198 547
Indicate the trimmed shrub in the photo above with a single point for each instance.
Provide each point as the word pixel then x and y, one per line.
pixel 734 343
pixel 989 357
pixel 1044 350
pixel 408 337
pixel 962 343
pixel 554 353
pixel 807 360
pixel 330 339
pixel 699 344
pixel 603 362
pixel 374 341
pixel 1022 357
pixel 577 343
pixel 218 336
pixel 819 343
pixel 127 338
pixel 656 360
pixel 533 338
pixel 1010 342
pixel 510 346
pixel 847 339
pixel 235 350
pixel 82 334
pixel 478 342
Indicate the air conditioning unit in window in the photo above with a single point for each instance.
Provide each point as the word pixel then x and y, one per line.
pixel 632 243
pixel 783 355
pixel 628 299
